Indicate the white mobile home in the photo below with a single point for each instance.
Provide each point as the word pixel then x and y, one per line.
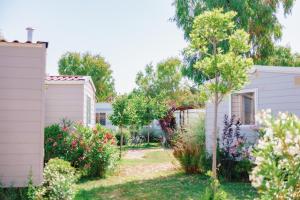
pixel 70 97
pixel 275 88
pixel 103 111
pixel 22 74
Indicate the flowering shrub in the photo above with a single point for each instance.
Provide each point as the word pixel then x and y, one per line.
pixel 92 150
pixel 59 178
pixel 234 152
pixel 55 142
pixel 277 157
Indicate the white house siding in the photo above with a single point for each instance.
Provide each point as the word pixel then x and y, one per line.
pixel 22 72
pixel 106 108
pixel 64 101
pixel 89 91
pixel 278 91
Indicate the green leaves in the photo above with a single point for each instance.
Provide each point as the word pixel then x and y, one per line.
pixel 73 63
pixel 227 70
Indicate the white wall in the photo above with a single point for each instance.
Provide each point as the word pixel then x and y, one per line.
pixel 64 101
pixel 104 107
pixel 22 73
pixel 89 91
pixel 276 91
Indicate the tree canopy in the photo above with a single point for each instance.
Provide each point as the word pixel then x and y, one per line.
pixel 161 80
pixel 257 17
pixel 73 63
pixel 225 66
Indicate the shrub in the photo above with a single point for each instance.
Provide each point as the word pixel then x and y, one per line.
pixel 234 152
pixel 213 190
pixel 126 136
pixel 155 135
pixel 277 157
pixel 55 142
pixel 59 178
pixel 92 150
pixel 189 148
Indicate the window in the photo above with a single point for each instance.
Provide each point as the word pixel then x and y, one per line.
pixel 101 118
pixel 88 110
pixel 243 107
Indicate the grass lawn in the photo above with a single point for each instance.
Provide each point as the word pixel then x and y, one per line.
pixel 153 174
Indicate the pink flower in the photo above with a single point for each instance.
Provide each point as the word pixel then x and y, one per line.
pixel 74 143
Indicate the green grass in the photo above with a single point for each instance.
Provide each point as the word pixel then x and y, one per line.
pixel 143 146
pixel 136 180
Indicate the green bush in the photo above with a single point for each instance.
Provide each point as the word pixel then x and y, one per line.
pixel 155 135
pixel 126 136
pixel 277 157
pixel 189 148
pixel 59 180
pixel 213 190
pixel 93 151
pixel 55 142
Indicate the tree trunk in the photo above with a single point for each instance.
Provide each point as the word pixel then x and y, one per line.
pixel 148 139
pixel 214 136
pixel 121 141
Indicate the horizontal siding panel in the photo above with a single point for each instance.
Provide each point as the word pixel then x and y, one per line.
pixel 19 83
pixel 20 61
pixel 19 105
pixel 19 181
pixel 20 116
pixel 15 72
pixel 63 89
pixel 54 102
pixel 22 52
pixel 21 94
pixel 20 149
pixel 23 127
pixel 20 138
pixel 18 170
pixel 23 159
pixel 64 107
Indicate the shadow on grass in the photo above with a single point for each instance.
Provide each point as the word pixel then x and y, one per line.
pixel 178 186
pixel 144 146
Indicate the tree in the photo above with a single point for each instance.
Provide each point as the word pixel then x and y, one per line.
pixel 225 65
pixel 146 110
pixel 282 56
pixel 122 115
pixel 257 17
pixel 163 80
pixel 73 63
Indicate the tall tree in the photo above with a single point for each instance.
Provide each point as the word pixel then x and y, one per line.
pixel 122 115
pixel 226 66
pixel 146 110
pixel 257 17
pixel 162 80
pixel 73 63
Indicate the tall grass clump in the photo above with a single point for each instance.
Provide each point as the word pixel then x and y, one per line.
pixel 189 148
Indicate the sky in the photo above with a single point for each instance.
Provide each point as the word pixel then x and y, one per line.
pixel 128 34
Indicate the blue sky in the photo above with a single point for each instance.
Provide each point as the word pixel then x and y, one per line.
pixel 129 34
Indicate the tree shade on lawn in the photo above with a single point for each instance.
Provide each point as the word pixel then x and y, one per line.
pixel 152 177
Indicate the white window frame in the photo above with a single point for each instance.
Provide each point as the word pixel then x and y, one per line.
pixel 255 91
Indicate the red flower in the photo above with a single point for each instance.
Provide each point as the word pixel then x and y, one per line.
pixel 65 129
pixel 74 143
